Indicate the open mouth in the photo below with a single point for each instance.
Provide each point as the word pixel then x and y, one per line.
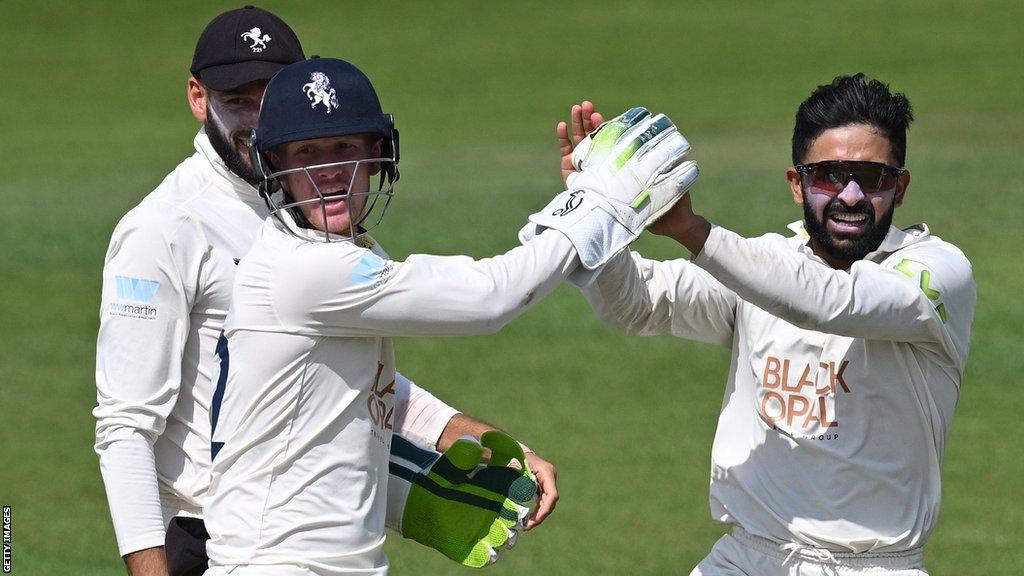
pixel 848 223
pixel 335 202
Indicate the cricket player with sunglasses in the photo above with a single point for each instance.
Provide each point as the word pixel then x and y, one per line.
pixel 849 341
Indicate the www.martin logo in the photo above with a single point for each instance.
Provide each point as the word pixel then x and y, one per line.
pixel 136 289
pixel 133 298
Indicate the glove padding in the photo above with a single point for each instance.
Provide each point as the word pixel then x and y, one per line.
pixel 457 506
pixel 631 170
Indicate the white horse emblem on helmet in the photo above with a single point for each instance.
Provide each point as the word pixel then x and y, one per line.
pixel 258 38
pixel 319 90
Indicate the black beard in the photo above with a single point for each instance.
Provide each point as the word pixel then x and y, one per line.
pixel 228 153
pixel 851 250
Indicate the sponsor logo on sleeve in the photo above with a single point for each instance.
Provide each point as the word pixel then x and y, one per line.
pixel 136 289
pixel 923 276
pixel 134 298
pixel 371 269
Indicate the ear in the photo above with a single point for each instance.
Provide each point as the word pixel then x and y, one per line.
pixel 375 152
pixel 901 189
pixel 197 98
pixel 272 157
pixel 793 179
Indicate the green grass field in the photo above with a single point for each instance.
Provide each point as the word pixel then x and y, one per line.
pixel 94 115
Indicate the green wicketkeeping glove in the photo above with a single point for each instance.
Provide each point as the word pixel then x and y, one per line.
pixel 454 503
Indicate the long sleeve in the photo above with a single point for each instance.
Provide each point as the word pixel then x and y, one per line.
pixel 645 297
pixel 925 294
pixel 148 286
pixel 355 292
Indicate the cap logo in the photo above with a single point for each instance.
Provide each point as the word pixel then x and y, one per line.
pixel 319 90
pixel 258 38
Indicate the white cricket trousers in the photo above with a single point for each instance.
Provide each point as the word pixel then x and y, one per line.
pixel 282 570
pixel 743 554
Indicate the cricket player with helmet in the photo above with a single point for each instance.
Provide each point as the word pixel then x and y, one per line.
pixel 302 430
pixel 849 341
pixel 167 282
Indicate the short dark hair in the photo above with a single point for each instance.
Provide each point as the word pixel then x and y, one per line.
pixel 853 100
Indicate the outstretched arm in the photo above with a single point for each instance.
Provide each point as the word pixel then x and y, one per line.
pixel 631 170
pixel 356 292
pixel 646 297
pixel 927 296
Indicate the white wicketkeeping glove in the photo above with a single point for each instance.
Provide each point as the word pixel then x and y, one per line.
pixel 630 171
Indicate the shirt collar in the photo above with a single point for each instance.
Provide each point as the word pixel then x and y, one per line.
pixel 799 229
pixel 234 182
pixel 894 240
pixel 897 239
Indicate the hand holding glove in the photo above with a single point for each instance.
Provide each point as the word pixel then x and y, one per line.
pixel 630 171
pixel 456 504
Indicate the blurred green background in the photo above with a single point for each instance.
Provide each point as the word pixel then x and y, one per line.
pixel 94 115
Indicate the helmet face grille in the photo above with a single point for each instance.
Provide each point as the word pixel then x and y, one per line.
pixel 365 202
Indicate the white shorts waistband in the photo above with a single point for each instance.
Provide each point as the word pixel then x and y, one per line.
pixel 783 551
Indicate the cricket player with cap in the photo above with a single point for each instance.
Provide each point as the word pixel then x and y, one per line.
pixel 848 339
pixel 166 287
pixel 302 426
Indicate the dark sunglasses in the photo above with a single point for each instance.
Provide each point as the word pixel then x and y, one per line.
pixel 831 176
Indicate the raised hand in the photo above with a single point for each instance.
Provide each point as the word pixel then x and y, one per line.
pixel 584 119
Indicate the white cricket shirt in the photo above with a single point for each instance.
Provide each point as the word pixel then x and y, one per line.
pixel 842 384
pixel 305 424
pixel 167 282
